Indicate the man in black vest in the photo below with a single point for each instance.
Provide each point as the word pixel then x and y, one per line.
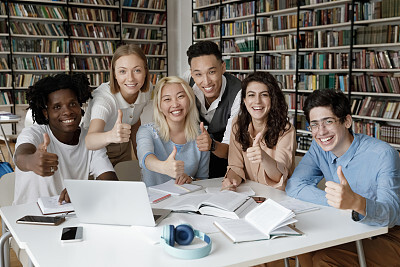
pixel 218 96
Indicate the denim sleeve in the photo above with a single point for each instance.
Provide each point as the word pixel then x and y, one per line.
pixel 303 182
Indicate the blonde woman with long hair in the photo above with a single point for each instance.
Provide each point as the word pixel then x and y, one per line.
pixel 167 148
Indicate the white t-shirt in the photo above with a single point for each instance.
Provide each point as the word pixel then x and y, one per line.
pixel 208 114
pixel 105 105
pixel 74 162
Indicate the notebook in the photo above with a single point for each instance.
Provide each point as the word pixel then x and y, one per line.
pixel 113 202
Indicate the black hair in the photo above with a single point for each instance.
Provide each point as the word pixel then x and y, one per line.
pixel 336 100
pixel 203 48
pixel 276 121
pixel 37 94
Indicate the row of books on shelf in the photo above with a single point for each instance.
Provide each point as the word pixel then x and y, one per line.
pixel 291 101
pixel 377 83
pixel 236 10
pixel 3 64
pixel 36 11
pixel 142 33
pixel 238 45
pixel 154 49
pixel 92 47
pixel 284 42
pixel 277 23
pixel 156 63
pixel 376 9
pixel 201 3
pixel 95 79
pixel 384 132
pixel 238 63
pixel 145 18
pixel 322 61
pixel 91 63
pixel 207 31
pixel 37 28
pixel 304 142
pixel 321 39
pixel 91 14
pixel 281 62
pixel 6 98
pixel 154 4
pixel 321 81
pixel 237 28
pixel 377 34
pixel 40 45
pixel 372 107
pixel 326 16
pixel 41 63
pixel 94 2
pixel 240 76
pixel 27 79
pixel 5 80
pixel 366 59
pixel 206 15
pixel 3 26
pixel 93 30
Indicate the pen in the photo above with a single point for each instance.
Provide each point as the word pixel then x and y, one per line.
pixel 182 187
pixel 228 187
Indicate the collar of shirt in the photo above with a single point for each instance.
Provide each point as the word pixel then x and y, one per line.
pixel 200 96
pixel 345 159
pixel 141 99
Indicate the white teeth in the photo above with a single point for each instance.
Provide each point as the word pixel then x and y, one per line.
pixel 176 112
pixel 257 108
pixel 326 139
pixel 68 121
pixel 208 88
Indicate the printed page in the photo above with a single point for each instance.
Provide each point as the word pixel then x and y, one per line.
pixel 240 230
pixel 49 205
pixel 174 189
pixel 188 202
pixel 226 200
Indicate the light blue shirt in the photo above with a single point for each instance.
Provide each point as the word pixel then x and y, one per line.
pixel 149 142
pixel 372 169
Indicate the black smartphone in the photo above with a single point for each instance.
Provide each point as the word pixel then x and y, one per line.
pixel 46 220
pixel 72 234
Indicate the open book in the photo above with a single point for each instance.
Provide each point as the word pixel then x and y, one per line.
pixel 172 188
pixel 266 221
pixel 227 204
pixel 50 205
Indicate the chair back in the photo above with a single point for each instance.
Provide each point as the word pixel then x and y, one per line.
pixel 7 184
pixel 128 170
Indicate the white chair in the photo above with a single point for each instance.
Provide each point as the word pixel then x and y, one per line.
pixel 128 170
pixel 7 184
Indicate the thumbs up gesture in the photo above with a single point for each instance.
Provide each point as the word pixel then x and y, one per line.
pixel 203 141
pixel 254 152
pixel 121 131
pixel 44 163
pixel 174 168
pixel 340 195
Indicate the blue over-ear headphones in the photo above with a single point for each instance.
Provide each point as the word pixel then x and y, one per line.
pixel 183 235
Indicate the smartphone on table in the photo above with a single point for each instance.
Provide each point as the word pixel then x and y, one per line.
pixel 44 220
pixel 72 234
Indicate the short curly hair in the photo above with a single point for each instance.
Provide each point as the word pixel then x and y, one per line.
pixel 37 94
pixel 203 48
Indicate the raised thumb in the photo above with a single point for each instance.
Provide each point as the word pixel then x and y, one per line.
pixel 257 139
pixel 119 119
pixel 340 174
pixel 173 153
pixel 46 142
pixel 202 127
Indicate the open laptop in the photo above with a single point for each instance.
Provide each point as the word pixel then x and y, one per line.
pixel 113 202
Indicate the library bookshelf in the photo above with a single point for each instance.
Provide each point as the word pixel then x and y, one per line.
pixel 347 45
pixel 70 36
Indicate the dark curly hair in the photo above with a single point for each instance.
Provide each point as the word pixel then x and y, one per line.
pixel 203 48
pixel 277 118
pixel 37 94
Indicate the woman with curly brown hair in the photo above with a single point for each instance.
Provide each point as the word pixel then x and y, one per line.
pixel 263 141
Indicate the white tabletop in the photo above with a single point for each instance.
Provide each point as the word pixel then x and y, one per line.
pixel 106 245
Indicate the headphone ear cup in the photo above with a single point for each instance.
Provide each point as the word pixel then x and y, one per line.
pixel 169 234
pixel 184 234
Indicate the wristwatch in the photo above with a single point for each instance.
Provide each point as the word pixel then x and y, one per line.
pixel 212 147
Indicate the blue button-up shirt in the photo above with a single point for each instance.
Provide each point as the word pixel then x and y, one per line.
pixel 372 169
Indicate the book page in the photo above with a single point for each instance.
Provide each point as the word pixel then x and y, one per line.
pixel 174 189
pixel 240 230
pixel 226 200
pixel 188 202
pixel 269 216
pixel 241 189
pixel 49 205
pixel 298 206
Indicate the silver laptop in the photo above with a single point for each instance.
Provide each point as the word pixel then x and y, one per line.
pixel 113 202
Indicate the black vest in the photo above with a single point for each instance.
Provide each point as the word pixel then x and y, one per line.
pixel 216 128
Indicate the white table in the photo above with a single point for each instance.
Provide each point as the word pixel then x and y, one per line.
pixel 7 121
pixel 106 245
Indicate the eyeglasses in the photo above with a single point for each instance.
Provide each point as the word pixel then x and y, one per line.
pixel 328 123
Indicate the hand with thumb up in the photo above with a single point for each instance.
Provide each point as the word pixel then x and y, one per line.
pixel 42 162
pixel 254 152
pixel 203 141
pixel 121 131
pixel 172 167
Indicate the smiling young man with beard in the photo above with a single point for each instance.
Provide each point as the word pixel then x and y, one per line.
pixel 362 174
pixel 54 149
pixel 218 97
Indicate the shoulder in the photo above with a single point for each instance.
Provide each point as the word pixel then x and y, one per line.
pixel 373 145
pixel 32 134
pixel 234 83
pixel 148 128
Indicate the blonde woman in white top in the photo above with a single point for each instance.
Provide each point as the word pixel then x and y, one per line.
pixel 113 115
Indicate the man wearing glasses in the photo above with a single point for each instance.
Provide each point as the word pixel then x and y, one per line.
pixel 362 174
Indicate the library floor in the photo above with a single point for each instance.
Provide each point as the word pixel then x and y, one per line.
pixel 14 260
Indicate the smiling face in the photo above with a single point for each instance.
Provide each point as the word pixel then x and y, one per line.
pixel 207 73
pixel 334 137
pixel 130 73
pixel 174 103
pixel 64 113
pixel 257 101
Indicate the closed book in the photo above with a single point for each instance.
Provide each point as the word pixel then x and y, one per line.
pixel 50 205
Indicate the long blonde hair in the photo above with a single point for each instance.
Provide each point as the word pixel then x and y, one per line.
pixel 126 50
pixel 192 118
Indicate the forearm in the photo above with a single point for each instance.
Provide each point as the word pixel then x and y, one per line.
pixel 23 157
pixel 152 163
pixel 270 167
pixel 221 150
pixel 97 140
pixel 359 204
pixel 108 176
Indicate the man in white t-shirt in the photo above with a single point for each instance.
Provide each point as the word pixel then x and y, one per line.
pixel 54 149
